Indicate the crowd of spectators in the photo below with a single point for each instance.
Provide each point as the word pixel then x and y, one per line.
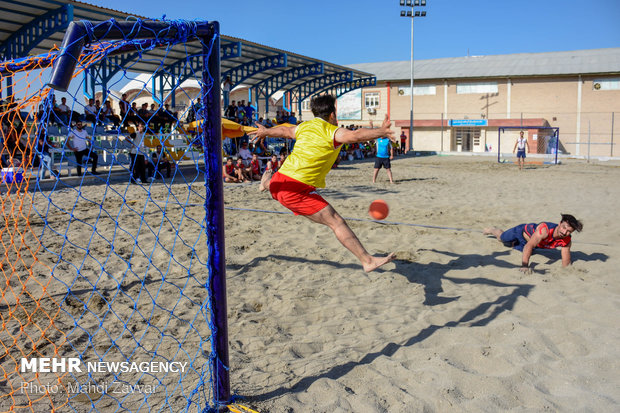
pixel 250 161
pixel 155 118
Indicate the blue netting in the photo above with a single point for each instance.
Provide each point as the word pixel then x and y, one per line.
pixel 119 274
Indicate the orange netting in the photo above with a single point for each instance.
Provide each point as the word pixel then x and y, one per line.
pixel 30 314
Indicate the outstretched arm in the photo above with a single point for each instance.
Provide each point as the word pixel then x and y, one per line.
pixel 365 134
pixel 287 132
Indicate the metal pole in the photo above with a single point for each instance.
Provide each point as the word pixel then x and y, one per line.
pixel 214 206
pixel 499 134
pixel 411 86
pixel 441 148
pixel 588 140
pixel 556 132
pixel 612 133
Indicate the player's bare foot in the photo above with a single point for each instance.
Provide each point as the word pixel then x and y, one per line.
pixel 378 262
pixel 496 232
pixel 265 180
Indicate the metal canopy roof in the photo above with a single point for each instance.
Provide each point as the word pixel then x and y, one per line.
pixel 34 27
pixel 593 61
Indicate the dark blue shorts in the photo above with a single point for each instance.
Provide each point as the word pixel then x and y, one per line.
pixel 382 162
pixel 521 153
pixel 513 237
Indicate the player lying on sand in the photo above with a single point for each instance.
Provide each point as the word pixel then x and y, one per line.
pixel 527 237
pixel 318 143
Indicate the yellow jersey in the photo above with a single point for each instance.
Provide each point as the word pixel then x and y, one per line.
pixel 314 153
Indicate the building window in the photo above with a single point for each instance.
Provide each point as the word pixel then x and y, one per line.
pixel 606 84
pixel 418 90
pixel 478 87
pixel 371 100
pixel 305 104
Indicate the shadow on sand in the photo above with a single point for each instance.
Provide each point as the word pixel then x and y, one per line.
pixel 430 275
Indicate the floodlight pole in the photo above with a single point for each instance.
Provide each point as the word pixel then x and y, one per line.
pixel 411 14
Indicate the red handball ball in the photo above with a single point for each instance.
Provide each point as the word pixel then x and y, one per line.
pixel 378 209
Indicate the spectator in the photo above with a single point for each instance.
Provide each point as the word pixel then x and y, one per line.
pixel 272 164
pixel 245 154
pixel 243 171
pixel 260 149
pixel 403 142
pixel 266 122
pixel 231 111
pixel 136 153
pixel 167 117
pixel 124 106
pixel 229 171
pixel 44 156
pixel 90 112
pixel 226 86
pixel 280 118
pixel 292 119
pixel 255 168
pixel 132 115
pixel 79 145
pixel 197 108
pixel 64 112
pixel 98 110
pixel 144 115
pixel 159 162
pixel 56 111
pixel 109 115
pixel 249 113
pixel 241 111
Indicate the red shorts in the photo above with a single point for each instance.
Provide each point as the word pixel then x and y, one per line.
pixel 300 198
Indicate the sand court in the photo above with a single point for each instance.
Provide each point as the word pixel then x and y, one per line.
pixel 451 324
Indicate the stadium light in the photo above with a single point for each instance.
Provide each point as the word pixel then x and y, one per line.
pixel 411 14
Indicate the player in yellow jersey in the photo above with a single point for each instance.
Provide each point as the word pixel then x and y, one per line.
pixel 317 146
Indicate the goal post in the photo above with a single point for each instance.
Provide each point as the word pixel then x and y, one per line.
pixel 113 287
pixel 543 142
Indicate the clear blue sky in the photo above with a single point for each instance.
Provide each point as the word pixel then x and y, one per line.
pixel 345 32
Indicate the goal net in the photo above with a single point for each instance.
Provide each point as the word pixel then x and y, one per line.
pixel 542 142
pixel 112 255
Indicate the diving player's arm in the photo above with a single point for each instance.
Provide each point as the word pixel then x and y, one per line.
pixel 566 261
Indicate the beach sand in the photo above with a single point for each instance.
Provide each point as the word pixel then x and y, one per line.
pixel 451 325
